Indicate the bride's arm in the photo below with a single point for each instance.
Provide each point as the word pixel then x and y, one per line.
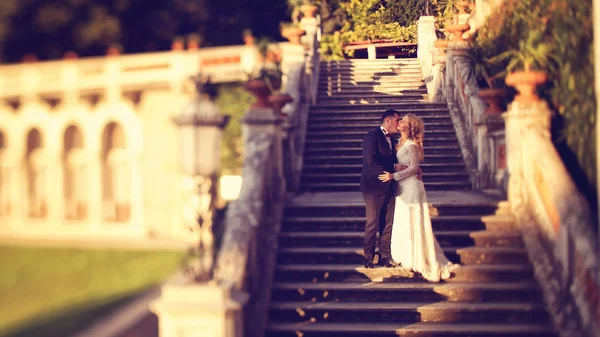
pixel 413 164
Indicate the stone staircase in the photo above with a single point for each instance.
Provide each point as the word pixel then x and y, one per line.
pixel 320 288
pixel 352 97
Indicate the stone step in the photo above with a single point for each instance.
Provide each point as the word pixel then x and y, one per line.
pixel 349 292
pixel 359 132
pixel 357 151
pixel 446 210
pixel 355 239
pixel 458 165
pixel 353 187
pixel 421 329
pixel 373 80
pixel 388 312
pixel 436 126
pixel 352 99
pixel 368 86
pixel 478 274
pixel 344 223
pixel 335 93
pixel 355 177
pixel 453 238
pixel 372 119
pixel 375 72
pixel 353 159
pixel 374 107
pixel 384 66
pixel 355 255
pixel 326 144
pixel 366 111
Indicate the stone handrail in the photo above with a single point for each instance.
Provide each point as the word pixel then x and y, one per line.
pixel 272 165
pixel 449 80
pixel 555 221
pixel 129 72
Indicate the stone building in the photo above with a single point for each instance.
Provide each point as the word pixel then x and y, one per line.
pixel 87 147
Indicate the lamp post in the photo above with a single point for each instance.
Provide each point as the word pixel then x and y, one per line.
pixel 200 127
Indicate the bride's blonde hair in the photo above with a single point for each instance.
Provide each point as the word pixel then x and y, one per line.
pixel 415 129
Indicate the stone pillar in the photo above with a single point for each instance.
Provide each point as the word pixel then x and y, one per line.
pixel 596 16
pixel 199 309
pixel 426 35
pixel 519 118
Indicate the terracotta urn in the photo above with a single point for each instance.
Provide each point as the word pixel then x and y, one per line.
pixel 70 55
pixel 457 30
pixel 177 45
pixel 293 34
pixel 309 11
pixel 526 82
pixel 113 51
pixel 494 99
pixel 442 45
pixel 193 45
pixel 260 90
pixel 278 100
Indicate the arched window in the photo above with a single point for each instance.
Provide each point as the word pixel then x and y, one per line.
pixel 36 167
pixel 116 174
pixel 75 175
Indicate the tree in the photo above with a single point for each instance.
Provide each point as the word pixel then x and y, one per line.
pixel 49 28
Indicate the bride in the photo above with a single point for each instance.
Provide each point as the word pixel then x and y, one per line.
pixel 413 244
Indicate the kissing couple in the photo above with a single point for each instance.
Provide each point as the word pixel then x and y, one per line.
pixel 396 202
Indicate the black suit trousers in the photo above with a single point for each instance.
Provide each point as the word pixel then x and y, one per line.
pixel 380 217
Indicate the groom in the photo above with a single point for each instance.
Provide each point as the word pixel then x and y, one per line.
pixel 379 154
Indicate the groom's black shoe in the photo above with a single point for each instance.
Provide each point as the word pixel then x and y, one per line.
pixel 369 263
pixel 387 263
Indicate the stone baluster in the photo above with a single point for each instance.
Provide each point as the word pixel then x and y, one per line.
pixel 462 99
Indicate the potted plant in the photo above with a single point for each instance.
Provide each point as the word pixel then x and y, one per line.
pixel 527 64
pixel 178 43
pixel 194 41
pixel 266 77
pixel 292 31
pixel 493 90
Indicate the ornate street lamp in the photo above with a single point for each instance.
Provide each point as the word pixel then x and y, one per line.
pixel 200 127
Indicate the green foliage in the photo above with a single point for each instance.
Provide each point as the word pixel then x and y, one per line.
pixel 555 36
pixel 532 54
pixel 367 20
pixel 233 100
pixel 49 28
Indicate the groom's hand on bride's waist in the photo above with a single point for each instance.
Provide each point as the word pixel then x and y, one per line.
pixel 400 167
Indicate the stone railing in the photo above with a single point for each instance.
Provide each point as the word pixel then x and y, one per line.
pixel 272 165
pixel 449 80
pixel 126 72
pixel 555 221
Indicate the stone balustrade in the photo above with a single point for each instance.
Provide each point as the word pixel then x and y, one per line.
pixel 57 79
pixel 237 298
pixel 481 137
pixel 543 201
pixel 554 219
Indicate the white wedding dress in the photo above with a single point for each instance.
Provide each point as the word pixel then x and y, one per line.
pixel 413 243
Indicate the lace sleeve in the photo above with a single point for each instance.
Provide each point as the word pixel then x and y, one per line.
pixel 413 164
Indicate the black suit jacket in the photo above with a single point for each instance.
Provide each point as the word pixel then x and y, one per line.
pixel 377 157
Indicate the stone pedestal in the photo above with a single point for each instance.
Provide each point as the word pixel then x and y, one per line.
pixel 199 310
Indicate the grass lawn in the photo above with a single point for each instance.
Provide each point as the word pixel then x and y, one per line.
pixel 50 292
